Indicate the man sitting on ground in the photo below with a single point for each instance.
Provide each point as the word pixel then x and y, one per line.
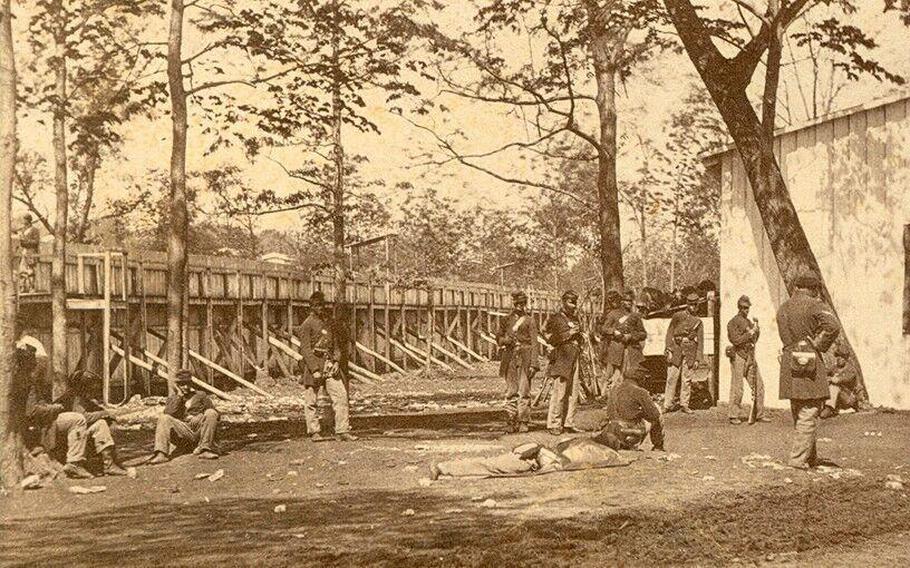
pixel 189 418
pixel 841 384
pixel 631 411
pixel 97 420
pixel 58 431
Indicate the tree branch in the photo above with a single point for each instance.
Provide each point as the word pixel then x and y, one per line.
pixel 464 160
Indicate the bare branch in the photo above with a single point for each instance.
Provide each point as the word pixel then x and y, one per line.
pixel 464 160
pixel 300 176
pixel 248 82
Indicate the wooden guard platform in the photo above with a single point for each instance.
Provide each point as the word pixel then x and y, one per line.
pixel 240 314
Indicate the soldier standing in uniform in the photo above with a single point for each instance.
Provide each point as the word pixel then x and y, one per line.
pixel 614 348
pixel 29 244
pixel 743 334
pixel 517 340
pixel 807 329
pixel 319 370
pixel 563 332
pixel 684 351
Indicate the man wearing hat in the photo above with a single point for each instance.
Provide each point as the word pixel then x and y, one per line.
pixel 743 334
pixel 807 329
pixel 29 238
pixel 563 331
pixel 685 352
pixel 632 414
pixel 189 419
pixel 614 349
pixel 517 341
pixel 319 370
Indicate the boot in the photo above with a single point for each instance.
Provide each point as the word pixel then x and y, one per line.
pixel 76 471
pixel 111 467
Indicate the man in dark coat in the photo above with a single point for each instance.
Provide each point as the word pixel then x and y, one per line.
pixel 614 349
pixel 517 341
pixel 563 332
pixel 319 370
pixel 685 352
pixel 807 329
pixel 189 420
pixel 743 334
pixel 29 238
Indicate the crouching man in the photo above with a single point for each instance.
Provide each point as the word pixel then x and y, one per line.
pixel 632 413
pixel 189 419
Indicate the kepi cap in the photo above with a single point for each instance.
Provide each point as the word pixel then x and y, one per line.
pixel 570 295
pixel 519 297
pixel 184 376
pixel 743 302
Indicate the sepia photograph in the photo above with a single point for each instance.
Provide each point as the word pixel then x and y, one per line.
pixel 454 283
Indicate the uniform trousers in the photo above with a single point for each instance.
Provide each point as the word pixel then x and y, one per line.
pixel 564 400
pixel 743 368
pixel 199 430
pixel 805 421
pixel 518 394
pixel 335 389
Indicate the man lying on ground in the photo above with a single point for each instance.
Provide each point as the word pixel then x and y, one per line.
pixel 533 459
pixel 77 399
pixel 632 414
pixel 189 419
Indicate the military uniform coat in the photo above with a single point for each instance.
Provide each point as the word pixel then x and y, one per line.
pixel 317 344
pixel 740 336
pixel 633 338
pixel 803 317
pixel 685 339
pixel 562 331
pixel 518 339
pixel 614 349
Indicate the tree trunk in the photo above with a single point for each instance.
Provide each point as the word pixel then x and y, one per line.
pixel 607 190
pixel 179 223
pixel 792 251
pixel 339 259
pixel 11 402
pixel 644 247
pixel 789 243
pixel 88 179
pixel 61 187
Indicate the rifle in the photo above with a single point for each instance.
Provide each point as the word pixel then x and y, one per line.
pixel 544 392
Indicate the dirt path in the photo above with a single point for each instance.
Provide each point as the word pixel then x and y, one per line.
pixel 346 502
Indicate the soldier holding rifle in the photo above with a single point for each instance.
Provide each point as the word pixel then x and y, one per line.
pixel 517 340
pixel 563 331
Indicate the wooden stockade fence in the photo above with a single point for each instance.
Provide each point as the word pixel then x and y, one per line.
pixel 240 317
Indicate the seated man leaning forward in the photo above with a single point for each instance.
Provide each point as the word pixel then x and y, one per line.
pixel 78 399
pixel 631 413
pixel 58 432
pixel 189 419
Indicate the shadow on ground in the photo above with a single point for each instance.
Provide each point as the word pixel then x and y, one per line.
pixel 367 527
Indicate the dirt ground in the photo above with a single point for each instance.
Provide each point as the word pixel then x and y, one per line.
pixel 717 497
